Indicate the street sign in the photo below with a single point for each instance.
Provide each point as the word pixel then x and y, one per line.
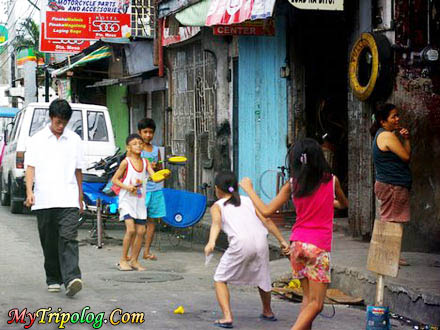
pixel 61 45
pixel 87 19
pixel 384 252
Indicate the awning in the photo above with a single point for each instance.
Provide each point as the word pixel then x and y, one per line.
pixel 227 12
pixel 98 54
pixel 194 15
pixel 8 112
pixel 127 81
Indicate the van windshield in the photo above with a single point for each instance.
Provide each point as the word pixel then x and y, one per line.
pixel 41 118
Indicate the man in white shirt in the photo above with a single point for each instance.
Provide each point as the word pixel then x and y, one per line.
pixel 54 160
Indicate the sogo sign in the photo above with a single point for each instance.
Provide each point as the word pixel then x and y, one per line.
pixel 87 19
pixel 61 45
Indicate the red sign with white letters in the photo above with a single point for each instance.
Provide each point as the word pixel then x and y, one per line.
pixel 61 45
pixel 87 19
pixel 86 26
pixel 249 28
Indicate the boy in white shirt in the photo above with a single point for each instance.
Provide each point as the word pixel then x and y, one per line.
pixel 54 160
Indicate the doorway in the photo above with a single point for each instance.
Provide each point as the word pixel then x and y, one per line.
pixel 325 54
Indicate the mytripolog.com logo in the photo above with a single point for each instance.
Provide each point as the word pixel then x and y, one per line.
pixel 61 318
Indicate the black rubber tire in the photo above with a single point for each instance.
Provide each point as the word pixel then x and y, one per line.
pixel 4 196
pixel 381 81
pixel 16 206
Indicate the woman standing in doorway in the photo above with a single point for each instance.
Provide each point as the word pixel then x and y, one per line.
pixel 391 161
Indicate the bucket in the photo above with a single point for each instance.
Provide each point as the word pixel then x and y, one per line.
pixel 378 318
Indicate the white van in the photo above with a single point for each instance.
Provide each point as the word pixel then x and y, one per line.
pixel 91 122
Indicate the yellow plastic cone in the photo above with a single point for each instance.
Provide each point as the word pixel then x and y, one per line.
pixel 294 284
pixel 179 310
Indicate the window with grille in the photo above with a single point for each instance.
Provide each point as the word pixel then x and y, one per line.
pixel 142 18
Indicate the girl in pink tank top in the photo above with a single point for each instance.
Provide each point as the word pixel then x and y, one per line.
pixel 313 189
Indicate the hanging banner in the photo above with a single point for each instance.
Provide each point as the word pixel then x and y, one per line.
pixel 227 12
pixel 3 38
pixel 61 45
pixel 87 19
pixel 254 28
pixel 318 4
pixel 184 33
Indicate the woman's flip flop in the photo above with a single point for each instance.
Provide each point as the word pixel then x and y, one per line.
pixel 226 325
pixel 268 318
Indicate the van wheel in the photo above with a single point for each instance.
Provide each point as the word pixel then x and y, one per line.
pixel 4 196
pixel 16 206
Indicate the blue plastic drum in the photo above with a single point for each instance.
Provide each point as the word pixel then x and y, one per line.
pixel 184 208
pixel 93 190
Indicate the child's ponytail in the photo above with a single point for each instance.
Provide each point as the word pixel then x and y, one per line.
pixel 227 182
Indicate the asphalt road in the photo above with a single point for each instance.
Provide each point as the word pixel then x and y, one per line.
pixel 178 278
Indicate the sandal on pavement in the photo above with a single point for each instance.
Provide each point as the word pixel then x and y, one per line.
pixel 268 318
pixel 137 267
pixel 124 268
pixel 150 257
pixel 403 262
pixel 226 325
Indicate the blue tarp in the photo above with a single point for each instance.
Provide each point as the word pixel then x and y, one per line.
pixel 8 112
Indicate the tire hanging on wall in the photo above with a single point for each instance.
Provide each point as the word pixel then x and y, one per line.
pixel 370 67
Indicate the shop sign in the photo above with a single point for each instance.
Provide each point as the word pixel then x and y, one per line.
pixel 61 45
pixel 87 19
pixel 251 28
pixel 318 4
pixel 185 33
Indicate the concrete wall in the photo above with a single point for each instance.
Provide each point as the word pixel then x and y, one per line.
pixel 119 113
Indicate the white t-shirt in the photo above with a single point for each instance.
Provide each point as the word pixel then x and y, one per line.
pixel 55 161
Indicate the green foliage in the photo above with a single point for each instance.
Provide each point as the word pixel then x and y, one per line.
pixel 29 37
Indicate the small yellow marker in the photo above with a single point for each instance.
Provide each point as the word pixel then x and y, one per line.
pixel 294 284
pixel 179 310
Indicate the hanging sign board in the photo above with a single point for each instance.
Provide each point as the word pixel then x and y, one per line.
pixel 318 4
pixel 61 45
pixel 87 19
pixel 185 33
pixel 248 28
pixel 384 252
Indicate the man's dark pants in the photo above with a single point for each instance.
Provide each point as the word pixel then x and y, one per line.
pixel 58 229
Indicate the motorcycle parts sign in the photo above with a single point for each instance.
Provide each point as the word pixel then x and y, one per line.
pixel 61 45
pixel 87 19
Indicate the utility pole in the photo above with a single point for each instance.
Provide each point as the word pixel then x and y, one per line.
pixel 46 77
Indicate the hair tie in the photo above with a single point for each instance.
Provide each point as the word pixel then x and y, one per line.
pixel 231 189
pixel 303 158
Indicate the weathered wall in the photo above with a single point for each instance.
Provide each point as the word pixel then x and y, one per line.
pixel 417 95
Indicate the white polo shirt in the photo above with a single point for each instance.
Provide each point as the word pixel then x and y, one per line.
pixel 55 161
